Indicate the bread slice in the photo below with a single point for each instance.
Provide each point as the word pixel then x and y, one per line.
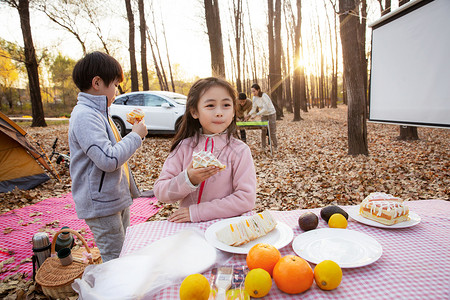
pixel 247 229
pixel 384 208
pixel 205 159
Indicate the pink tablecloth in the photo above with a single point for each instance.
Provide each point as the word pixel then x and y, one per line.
pixel 415 263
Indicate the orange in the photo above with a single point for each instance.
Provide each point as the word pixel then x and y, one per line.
pixel 263 256
pixel 293 274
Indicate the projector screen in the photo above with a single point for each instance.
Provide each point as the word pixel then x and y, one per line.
pixel 410 68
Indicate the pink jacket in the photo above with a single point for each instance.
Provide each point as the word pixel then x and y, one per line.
pixel 229 193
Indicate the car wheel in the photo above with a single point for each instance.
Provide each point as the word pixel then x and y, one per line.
pixel 120 126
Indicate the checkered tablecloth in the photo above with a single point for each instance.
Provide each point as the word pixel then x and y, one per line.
pixel 415 263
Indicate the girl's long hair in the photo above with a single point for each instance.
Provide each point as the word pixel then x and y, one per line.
pixel 190 126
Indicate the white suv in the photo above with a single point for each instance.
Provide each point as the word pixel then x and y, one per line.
pixel 163 110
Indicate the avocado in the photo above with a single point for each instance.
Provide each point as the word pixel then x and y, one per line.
pixel 329 210
pixel 308 221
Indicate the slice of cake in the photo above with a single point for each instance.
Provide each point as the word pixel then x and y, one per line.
pixel 247 229
pixel 205 159
pixel 384 208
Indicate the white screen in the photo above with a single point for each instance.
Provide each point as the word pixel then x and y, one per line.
pixel 410 72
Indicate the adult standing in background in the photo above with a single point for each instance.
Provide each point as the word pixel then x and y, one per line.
pixel 242 109
pixel 267 112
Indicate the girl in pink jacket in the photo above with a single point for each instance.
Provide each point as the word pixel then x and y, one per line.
pixel 209 124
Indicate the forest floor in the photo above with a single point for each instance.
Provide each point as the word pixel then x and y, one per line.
pixel 311 169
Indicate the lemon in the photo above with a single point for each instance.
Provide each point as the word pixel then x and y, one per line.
pixel 337 221
pixel 194 287
pixel 258 283
pixel 237 294
pixel 328 275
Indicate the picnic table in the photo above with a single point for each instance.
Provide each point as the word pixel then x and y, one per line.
pixel 256 125
pixel 415 262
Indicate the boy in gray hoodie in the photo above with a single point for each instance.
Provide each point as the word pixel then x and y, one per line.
pixel 102 183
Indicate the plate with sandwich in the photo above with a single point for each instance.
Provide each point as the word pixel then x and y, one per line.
pixel 239 234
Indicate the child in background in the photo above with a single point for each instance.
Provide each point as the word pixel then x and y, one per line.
pixel 102 184
pixel 243 108
pixel 209 124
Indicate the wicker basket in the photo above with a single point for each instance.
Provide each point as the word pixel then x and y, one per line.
pixel 56 280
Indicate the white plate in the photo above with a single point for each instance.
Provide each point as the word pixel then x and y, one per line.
pixel 353 212
pixel 280 237
pixel 348 248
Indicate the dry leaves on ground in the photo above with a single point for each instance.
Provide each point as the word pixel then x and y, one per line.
pixel 311 168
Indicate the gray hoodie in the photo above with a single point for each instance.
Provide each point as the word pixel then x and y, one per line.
pixel 99 184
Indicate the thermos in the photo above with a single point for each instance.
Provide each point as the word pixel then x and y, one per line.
pixel 41 248
pixel 64 240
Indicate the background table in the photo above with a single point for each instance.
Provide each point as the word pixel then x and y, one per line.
pixel 256 125
pixel 415 263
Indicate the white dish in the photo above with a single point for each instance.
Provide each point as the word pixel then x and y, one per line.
pixel 348 248
pixel 280 237
pixel 353 212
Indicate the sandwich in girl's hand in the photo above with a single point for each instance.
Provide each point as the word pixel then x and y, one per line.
pixel 205 159
pixel 135 116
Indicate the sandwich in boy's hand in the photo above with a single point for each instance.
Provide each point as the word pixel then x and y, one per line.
pixel 205 159
pixel 135 116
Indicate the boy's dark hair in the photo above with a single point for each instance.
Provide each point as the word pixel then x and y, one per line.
pixel 96 64
pixel 190 126
pixel 242 96
pixel 258 88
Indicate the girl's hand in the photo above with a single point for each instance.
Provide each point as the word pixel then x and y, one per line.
pixel 197 176
pixel 180 216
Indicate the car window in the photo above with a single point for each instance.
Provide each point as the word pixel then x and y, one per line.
pixel 119 101
pixel 136 100
pixel 155 101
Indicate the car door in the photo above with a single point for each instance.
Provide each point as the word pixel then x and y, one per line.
pixel 159 113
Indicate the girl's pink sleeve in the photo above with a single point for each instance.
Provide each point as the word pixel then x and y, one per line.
pixel 241 200
pixel 171 186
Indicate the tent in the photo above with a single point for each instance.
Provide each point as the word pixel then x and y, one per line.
pixel 19 165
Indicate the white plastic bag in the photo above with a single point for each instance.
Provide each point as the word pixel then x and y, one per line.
pixel 141 274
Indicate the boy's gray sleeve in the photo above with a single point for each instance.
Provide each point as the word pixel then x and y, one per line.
pixel 93 139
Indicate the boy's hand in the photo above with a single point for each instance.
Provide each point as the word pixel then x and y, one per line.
pixel 199 175
pixel 140 128
pixel 180 216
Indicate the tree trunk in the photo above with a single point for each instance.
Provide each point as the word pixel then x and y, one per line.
pixel 362 48
pixel 168 59
pixel 132 49
pixel 37 110
pixel 297 91
pixel 142 29
pixel 278 54
pixel 155 63
pixel 333 96
pixel 237 13
pixel 274 32
pixel 354 79
pixel 212 16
